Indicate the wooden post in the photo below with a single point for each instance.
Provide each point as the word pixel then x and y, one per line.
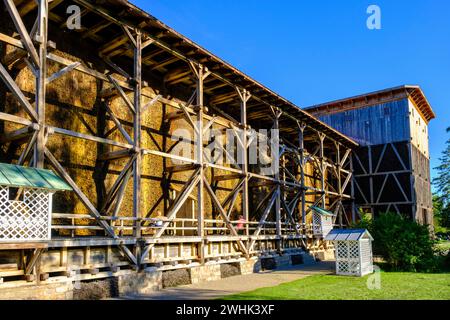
pixel 244 97
pixel 41 77
pixel 414 213
pixel 276 127
pixel 352 190
pixel 137 166
pixel 322 168
pixel 201 74
pixel 369 154
pixel 302 127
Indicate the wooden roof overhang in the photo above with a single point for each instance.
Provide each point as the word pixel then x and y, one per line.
pixel 166 60
pixel 413 92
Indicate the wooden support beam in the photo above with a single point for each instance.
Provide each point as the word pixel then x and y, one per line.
pixel 244 96
pixel 228 177
pixel 14 56
pixel 118 124
pixel 164 63
pixel 122 94
pixel 114 155
pixel 19 134
pixel 62 72
pixel 175 207
pixel 263 219
pixel 41 82
pixel 137 165
pixel 78 135
pixel 33 261
pixel 28 149
pixel 84 199
pixel 121 193
pixel 20 27
pixel 149 104
pixel 224 215
pixel 97 28
pixel 14 119
pixel 18 94
pixel 182 168
pixel 112 192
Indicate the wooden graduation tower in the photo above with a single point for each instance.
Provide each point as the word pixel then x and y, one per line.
pixel 392 165
pixel 101 104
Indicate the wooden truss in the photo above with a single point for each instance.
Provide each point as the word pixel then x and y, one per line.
pixel 312 167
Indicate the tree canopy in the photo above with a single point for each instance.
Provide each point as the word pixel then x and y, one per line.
pixel 442 180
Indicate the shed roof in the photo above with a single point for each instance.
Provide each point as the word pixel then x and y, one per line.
pixel 322 211
pixel 348 235
pixel 26 177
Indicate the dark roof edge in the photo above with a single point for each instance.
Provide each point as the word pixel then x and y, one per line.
pixel 416 88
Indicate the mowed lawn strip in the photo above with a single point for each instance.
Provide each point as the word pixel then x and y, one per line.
pixel 394 286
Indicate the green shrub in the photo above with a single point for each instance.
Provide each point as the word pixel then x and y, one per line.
pixel 404 244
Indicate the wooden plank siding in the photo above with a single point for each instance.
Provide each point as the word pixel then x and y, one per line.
pixel 391 166
pixel 378 124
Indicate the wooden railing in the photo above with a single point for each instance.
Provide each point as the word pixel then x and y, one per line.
pixel 177 226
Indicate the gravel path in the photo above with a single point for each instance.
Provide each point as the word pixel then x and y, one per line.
pixel 237 284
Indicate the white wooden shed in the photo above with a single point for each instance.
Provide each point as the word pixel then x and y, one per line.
pixel 322 221
pixel 353 250
pixel 26 202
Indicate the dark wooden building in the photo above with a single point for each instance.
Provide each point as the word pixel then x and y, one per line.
pixel 391 166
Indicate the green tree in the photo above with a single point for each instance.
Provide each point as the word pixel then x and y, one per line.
pixel 441 215
pixel 404 244
pixel 442 181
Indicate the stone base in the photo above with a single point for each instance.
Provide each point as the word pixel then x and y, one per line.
pixel 140 283
pixel 151 279
pixel 208 272
pixel 253 265
pixel 52 291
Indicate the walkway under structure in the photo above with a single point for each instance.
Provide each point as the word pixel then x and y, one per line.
pixel 107 105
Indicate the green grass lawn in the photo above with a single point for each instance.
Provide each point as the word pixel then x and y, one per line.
pixel 394 286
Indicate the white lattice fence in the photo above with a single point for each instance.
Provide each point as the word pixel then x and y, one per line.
pixel 354 257
pixel 322 225
pixel 25 220
pixel 347 257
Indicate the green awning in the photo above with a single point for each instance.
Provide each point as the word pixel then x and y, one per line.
pixel 26 177
pixel 322 211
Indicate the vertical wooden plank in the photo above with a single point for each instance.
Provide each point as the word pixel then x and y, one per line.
pixel 369 155
pixel 199 157
pixel 414 213
pixel 276 126
pixel 352 190
pixel 108 257
pixel 200 212
pixel 87 256
pixel 39 155
pixel 302 127
pixel 322 168
pixel 63 257
pixel 244 97
pixel 339 182
pixel 137 165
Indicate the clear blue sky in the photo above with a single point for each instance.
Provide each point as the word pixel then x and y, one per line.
pixel 315 51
